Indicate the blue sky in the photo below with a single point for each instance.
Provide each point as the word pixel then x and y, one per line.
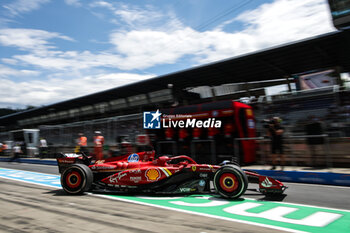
pixel 52 50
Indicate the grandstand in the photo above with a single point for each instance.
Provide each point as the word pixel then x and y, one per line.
pixel 295 108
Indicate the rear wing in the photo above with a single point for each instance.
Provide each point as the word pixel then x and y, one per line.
pixel 64 160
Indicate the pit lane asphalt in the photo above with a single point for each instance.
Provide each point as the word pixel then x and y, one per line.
pixel 33 208
pixel 307 194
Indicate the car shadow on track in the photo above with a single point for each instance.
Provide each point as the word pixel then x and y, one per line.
pixel 257 196
pixel 279 197
pixel 262 197
pixel 61 192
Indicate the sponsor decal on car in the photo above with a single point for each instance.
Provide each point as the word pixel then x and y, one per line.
pixel 203 169
pixel 201 183
pixel 133 158
pixel 135 179
pixel 166 171
pixel 102 167
pixel 99 161
pixel 210 168
pixel 135 171
pixel 266 183
pixel 194 168
pixel 186 190
pixel 116 178
pixel 66 160
pixel 152 174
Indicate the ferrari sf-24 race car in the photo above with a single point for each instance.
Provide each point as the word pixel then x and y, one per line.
pixel 142 173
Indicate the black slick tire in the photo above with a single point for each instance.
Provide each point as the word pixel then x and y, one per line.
pixel 76 179
pixel 230 181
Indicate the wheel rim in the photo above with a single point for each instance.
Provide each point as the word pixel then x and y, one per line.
pixel 73 179
pixel 228 182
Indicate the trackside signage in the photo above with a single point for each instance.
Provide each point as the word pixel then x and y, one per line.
pixel 277 215
pixel 153 120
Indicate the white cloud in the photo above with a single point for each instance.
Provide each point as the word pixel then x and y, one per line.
pixel 76 3
pixel 287 20
pixel 36 92
pixel 72 60
pixel 139 18
pixel 9 61
pixel 22 6
pixel 148 48
pixel 102 4
pixel 270 24
pixel 131 17
pixel 6 71
pixel 29 39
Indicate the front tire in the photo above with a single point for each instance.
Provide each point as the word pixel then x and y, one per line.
pixel 230 181
pixel 76 179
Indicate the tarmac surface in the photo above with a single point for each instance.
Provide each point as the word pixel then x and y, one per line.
pixel 32 208
pixel 299 193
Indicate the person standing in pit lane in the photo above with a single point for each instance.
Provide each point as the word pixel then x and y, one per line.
pixel 98 145
pixel 275 132
pixel 5 149
pixel 43 149
pixel 82 143
pixel 16 152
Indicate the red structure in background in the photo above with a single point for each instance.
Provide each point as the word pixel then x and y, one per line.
pixel 237 121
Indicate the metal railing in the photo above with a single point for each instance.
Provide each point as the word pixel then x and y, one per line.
pixel 292 152
pixel 325 144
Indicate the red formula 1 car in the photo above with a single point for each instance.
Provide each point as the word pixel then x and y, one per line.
pixel 141 172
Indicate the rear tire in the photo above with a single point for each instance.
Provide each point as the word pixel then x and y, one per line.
pixel 76 179
pixel 230 181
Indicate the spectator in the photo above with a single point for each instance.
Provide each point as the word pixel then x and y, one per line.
pixel 23 148
pixel 98 145
pixel 314 129
pixel 16 151
pixel 82 143
pixel 5 148
pixel 275 132
pixel 43 149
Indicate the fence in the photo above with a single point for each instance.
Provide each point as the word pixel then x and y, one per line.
pixel 112 129
pixel 298 151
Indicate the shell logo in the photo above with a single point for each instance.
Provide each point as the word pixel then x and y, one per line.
pixel 152 174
